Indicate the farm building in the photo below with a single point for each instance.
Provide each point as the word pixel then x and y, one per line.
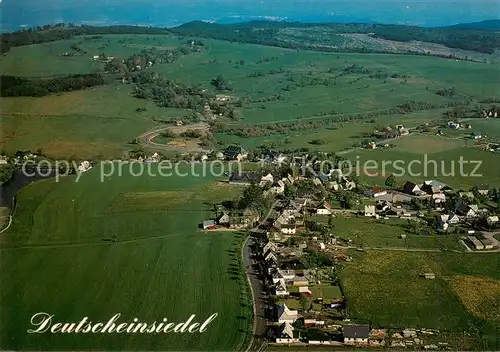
pixel 209 225
pixel 430 276
pixel 356 334
pixel 478 245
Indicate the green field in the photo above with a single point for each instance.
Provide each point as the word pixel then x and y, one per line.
pixel 58 258
pixel 384 289
pixel 433 157
pixel 102 121
pixel 386 234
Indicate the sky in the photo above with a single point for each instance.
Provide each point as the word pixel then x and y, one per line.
pixel 167 13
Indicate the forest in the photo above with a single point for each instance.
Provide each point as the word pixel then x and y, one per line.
pixel 12 86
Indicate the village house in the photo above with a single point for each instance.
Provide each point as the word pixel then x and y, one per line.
pixel 280 288
pixel 286 334
pixel 278 187
pixel 453 125
pixel 288 229
pixel 371 145
pixel 374 192
pixel 429 184
pixel 324 209
pixel 402 130
pixel 482 189
pixel 356 334
pixel 286 315
pixel 477 135
pixel 468 211
pixel 266 179
pixel 492 220
pixel 286 275
pixel 269 246
pixel 370 210
pixel 223 219
pixel 235 153
pixel 412 188
pixel 270 256
pixel 244 178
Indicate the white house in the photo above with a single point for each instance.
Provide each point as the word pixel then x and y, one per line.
pixel 369 210
pixel 271 256
pixel 266 179
pixel 288 229
pixel 278 188
pixel 270 246
pixel 286 315
pixel 324 209
pixel 287 334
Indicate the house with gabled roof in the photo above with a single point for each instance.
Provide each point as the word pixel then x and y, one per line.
pixel 244 178
pixel 492 220
pixel 270 256
pixel 412 188
pixel 468 211
pixel 324 209
pixel 280 288
pixel 482 189
pixel 286 315
pixel 287 334
pixel 269 246
pixel 267 179
pixel 356 334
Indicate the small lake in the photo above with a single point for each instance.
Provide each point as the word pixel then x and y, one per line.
pixel 9 189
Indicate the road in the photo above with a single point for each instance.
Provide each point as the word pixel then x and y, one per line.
pixel 259 295
pixel 146 140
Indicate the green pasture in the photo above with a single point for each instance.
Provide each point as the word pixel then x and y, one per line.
pixel 385 289
pixel 434 158
pixel 60 257
pixel 387 234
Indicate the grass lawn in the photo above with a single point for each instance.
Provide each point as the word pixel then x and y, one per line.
pixel 59 257
pixel 384 289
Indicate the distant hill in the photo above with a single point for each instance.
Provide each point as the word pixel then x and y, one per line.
pixel 270 33
pixel 488 25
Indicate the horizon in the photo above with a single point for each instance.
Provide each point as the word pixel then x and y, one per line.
pixel 19 14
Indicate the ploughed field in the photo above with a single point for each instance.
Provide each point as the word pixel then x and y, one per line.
pixel 130 245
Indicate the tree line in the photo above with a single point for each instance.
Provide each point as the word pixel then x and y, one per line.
pixel 12 86
pixel 50 33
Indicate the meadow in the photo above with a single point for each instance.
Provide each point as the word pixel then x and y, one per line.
pixel 385 290
pixel 281 84
pixel 433 157
pixel 130 245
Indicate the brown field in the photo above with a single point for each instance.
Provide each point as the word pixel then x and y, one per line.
pixel 479 295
